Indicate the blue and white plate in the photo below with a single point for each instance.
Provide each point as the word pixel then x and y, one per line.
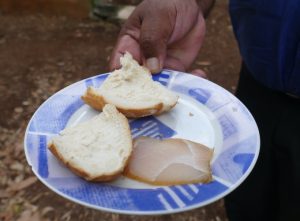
pixel 205 113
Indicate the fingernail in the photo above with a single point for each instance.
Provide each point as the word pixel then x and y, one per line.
pixel 153 65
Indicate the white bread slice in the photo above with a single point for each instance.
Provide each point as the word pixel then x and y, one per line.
pixel 97 149
pixel 132 90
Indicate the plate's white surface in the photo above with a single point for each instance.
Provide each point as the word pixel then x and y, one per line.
pixel 205 113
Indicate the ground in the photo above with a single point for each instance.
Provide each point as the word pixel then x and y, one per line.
pixel 42 50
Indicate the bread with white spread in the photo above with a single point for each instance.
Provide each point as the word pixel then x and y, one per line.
pixel 97 149
pixel 132 90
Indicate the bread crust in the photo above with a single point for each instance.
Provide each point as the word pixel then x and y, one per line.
pixel 97 101
pixel 94 100
pixel 80 172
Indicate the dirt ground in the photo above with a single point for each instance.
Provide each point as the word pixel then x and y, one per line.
pixel 45 48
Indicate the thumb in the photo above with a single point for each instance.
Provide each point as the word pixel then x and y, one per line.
pixel 155 34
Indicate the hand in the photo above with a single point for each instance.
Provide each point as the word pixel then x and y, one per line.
pixel 162 33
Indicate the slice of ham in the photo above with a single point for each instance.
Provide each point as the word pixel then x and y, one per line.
pixel 169 162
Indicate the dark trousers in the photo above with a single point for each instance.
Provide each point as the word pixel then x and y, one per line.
pixel 272 190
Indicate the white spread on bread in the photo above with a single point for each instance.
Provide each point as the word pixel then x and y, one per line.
pixel 132 90
pixel 96 149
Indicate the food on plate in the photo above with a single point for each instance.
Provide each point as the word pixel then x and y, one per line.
pixel 169 162
pixel 97 149
pixel 132 90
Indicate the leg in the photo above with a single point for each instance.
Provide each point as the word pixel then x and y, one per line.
pixel 287 140
pixel 255 198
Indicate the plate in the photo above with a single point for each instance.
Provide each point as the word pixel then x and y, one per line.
pixel 205 113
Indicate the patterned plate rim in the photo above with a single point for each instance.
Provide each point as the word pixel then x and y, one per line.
pixel 147 212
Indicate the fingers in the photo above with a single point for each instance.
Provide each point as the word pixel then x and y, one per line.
pixel 146 41
pixel 186 49
pixel 124 44
pixel 155 33
pixel 161 34
pixel 182 53
pixel 128 41
pixel 199 73
pixel 174 64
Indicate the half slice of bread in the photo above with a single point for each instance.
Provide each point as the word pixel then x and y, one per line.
pixel 97 149
pixel 132 90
